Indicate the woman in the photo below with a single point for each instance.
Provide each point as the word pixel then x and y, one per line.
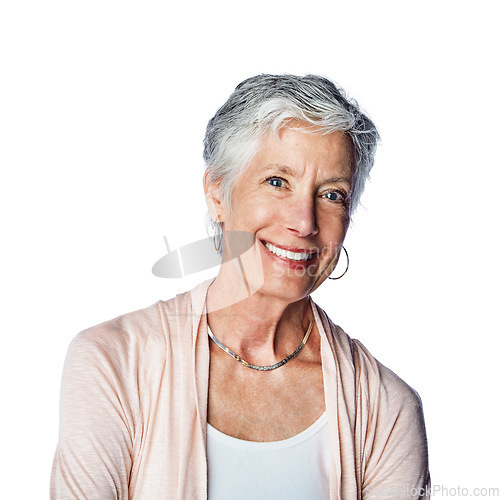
pixel 243 387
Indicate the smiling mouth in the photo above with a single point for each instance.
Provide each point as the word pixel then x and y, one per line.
pixel 287 254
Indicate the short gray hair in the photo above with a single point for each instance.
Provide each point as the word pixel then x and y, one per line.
pixel 267 103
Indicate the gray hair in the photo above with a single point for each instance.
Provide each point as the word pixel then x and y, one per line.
pixel 265 104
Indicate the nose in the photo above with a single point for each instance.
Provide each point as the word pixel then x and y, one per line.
pixel 300 217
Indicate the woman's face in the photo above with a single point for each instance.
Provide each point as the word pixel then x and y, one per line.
pixel 294 199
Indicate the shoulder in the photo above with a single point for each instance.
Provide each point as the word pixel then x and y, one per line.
pixel 142 336
pixel 379 383
pixel 119 352
pixel 133 331
pixel 373 380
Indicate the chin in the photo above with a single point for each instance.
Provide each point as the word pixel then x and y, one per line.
pixel 287 289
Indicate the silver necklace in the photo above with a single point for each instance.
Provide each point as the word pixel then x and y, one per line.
pixel 257 367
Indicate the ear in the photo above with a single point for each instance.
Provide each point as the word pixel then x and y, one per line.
pixel 213 197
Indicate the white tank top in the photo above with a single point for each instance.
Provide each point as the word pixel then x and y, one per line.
pixel 295 468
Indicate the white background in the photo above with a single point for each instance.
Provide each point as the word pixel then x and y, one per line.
pixel 103 109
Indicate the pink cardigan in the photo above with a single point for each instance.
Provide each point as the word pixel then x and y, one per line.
pixel 134 412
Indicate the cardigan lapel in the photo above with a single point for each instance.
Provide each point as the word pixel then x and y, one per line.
pixel 201 362
pixel 330 369
pixel 340 398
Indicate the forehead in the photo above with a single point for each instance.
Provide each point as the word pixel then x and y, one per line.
pixel 300 150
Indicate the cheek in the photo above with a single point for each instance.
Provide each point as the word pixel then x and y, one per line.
pixel 252 215
pixel 266 213
pixel 333 228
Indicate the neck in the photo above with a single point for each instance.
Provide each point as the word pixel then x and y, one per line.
pixel 260 328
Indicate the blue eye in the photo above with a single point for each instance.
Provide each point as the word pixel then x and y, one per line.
pixel 334 196
pixel 275 181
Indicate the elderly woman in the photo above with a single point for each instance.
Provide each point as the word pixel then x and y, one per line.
pixel 243 387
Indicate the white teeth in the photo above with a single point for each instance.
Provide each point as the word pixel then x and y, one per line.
pixel 287 254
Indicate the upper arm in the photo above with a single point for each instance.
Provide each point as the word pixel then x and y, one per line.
pixel 396 456
pixel 397 466
pixel 93 457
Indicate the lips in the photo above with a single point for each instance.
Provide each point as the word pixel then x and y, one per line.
pixel 289 253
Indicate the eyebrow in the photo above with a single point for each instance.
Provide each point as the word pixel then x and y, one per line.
pixel 277 166
pixel 283 169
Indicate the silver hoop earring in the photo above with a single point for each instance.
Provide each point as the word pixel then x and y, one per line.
pixel 347 255
pixel 217 236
